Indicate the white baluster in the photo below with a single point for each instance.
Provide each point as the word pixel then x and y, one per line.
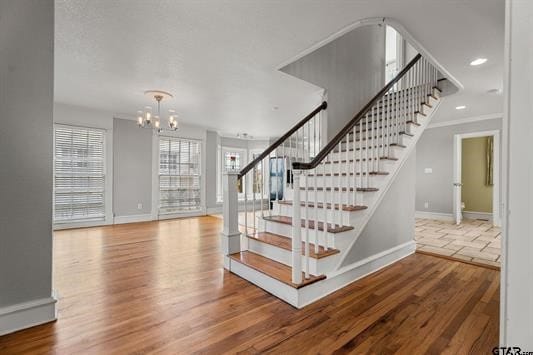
pixel 325 205
pixel 354 166
pixel 307 226
pixel 315 186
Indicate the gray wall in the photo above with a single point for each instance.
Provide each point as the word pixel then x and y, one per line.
pixel 398 209
pixel 212 142
pixel 435 151
pixel 132 168
pixel 26 109
pixel 351 68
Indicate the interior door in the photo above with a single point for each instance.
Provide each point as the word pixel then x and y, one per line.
pixel 457 185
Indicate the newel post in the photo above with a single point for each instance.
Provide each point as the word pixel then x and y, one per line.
pixel 296 231
pixel 231 237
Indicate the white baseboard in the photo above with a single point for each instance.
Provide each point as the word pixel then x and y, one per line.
pixel 435 215
pixel 88 224
pixel 27 314
pixel 351 273
pixel 198 213
pixel 133 218
pixel 477 215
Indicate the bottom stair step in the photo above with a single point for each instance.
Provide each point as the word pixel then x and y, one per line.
pixel 286 243
pixel 273 269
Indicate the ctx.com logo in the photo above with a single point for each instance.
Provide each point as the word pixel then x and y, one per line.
pixel 510 350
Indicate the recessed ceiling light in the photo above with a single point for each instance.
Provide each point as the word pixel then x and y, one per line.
pixel 462 107
pixel 478 61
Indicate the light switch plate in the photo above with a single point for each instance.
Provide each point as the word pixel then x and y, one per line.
pixel 428 170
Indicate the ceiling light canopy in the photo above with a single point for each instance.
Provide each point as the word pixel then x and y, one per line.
pixel 478 61
pixel 145 118
pixel 462 107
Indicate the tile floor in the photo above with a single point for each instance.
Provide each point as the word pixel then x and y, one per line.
pixel 473 240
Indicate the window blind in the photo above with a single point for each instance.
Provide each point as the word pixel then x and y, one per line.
pixel 179 175
pixel 79 174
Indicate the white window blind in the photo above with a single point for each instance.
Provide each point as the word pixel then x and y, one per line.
pixel 79 174
pixel 179 175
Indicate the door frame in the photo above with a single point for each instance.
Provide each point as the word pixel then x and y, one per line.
pixel 457 159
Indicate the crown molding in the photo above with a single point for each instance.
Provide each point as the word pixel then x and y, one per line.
pixel 490 116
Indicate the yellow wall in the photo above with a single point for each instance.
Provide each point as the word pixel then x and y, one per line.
pixel 476 196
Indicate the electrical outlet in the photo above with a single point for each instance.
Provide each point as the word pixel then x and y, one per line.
pixel 426 204
pixel 139 206
pixel 428 171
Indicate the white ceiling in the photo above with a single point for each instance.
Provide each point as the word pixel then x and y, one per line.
pixel 219 57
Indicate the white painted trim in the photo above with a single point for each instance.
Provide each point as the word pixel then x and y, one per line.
pixel 133 218
pixel 375 21
pixel 434 215
pixel 504 268
pixel 198 213
pixel 496 218
pixel 472 119
pixel 477 215
pixel 390 179
pixel 351 273
pixel 81 224
pixel 27 314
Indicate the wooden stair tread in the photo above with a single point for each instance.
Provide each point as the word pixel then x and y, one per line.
pixel 344 189
pixel 347 208
pixel 372 147
pixel 351 160
pixel 288 220
pixel 275 270
pixel 382 127
pixel 351 174
pixel 286 243
pixel 376 137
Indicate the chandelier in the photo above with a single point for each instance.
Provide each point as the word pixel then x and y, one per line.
pixel 147 119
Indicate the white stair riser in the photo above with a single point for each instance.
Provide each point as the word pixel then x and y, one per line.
pixel 344 181
pixel 343 167
pixel 316 266
pixel 286 210
pixel 334 240
pixel 362 198
pixel 391 152
pixel 401 139
pixel 385 129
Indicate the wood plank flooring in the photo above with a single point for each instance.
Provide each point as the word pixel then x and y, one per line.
pixel 159 287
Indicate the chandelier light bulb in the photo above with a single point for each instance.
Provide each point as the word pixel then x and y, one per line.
pixel 152 119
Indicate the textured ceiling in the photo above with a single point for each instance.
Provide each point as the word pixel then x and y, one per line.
pixel 219 57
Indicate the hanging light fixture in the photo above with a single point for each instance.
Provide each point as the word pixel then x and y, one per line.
pixel 146 119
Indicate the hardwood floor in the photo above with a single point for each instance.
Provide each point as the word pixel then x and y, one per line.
pixel 160 287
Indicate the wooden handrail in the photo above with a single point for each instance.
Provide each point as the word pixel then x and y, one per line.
pixel 278 142
pixel 324 152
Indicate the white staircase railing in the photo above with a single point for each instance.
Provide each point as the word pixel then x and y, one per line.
pixel 329 179
pixel 264 180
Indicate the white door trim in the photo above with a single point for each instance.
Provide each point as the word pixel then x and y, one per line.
pixel 457 150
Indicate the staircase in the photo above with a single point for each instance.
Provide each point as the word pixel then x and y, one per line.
pixel 295 247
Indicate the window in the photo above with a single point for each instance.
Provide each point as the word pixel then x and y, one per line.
pixel 179 175
pixel 230 159
pixel 79 174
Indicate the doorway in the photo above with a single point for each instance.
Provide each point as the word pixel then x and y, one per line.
pixel 476 174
